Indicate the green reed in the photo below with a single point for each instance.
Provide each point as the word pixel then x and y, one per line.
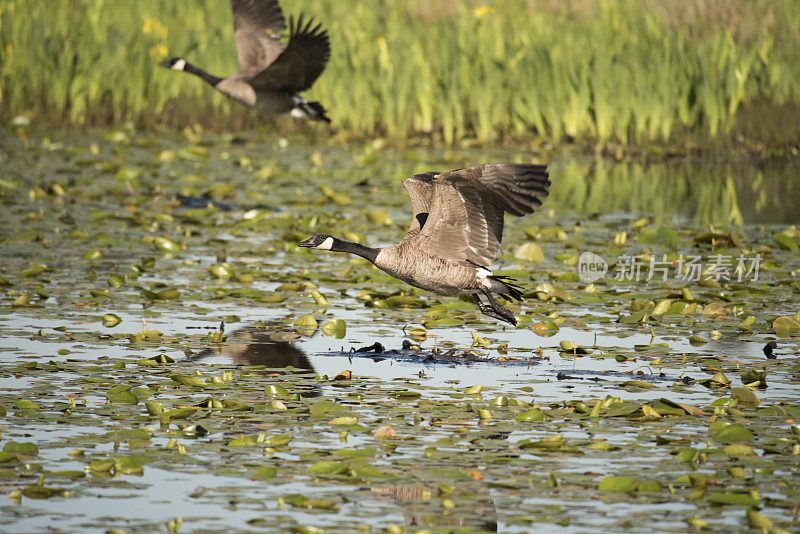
pixel 612 70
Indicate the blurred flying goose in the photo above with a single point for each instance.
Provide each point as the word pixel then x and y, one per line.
pixel 456 231
pixel 270 75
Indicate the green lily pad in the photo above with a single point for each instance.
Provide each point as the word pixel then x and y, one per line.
pixel 611 484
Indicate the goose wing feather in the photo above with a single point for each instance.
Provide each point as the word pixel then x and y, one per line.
pixel 257 29
pixel 467 206
pixel 420 189
pixel 301 63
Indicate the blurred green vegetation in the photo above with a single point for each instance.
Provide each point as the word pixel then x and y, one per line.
pixel 620 71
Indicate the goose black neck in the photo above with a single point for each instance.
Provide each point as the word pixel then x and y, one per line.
pixel 355 248
pixel 197 71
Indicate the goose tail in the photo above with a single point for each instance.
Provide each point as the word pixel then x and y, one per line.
pixel 314 111
pixel 511 291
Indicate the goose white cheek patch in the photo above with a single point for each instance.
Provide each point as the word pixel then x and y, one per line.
pixel 179 65
pixel 326 245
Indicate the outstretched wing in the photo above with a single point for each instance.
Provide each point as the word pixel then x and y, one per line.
pixel 301 63
pixel 257 27
pixel 420 189
pixel 467 206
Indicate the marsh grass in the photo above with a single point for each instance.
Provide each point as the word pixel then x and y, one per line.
pixel 622 71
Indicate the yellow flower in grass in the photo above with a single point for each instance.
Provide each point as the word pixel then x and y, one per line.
pixel 159 51
pixel 153 26
pixel 482 11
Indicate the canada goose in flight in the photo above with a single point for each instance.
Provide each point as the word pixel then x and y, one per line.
pixel 456 231
pixel 270 75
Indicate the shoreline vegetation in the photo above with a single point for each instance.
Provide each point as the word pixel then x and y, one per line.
pixel 659 76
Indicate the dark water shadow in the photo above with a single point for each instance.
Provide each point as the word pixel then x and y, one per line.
pixel 418 510
pixel 255 346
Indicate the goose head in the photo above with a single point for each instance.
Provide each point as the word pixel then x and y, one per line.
pixel 176 63
pixel 319 241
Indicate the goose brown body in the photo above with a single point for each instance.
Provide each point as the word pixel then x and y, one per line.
pixel 442 276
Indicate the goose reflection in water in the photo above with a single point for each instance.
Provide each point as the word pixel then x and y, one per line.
pixel 254 346
pixel 421 507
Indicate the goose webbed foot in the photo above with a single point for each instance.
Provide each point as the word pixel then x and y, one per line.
pixel 494 309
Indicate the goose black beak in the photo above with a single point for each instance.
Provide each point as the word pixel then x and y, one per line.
pixel 165 64
pixel 306 243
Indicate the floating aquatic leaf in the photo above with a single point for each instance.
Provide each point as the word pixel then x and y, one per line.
pixel 166 244
pixel 530 252
pixel 8 457
pixel 154 408
pixel 165 294
pixel 649 486
pixel 335 328
pixel 306 322
pixel 319 298
pixel 661 307
pixel 326 467
pixel 25 404
pixel 188 380
pixel 500 400
pixel 223 271
pixel 128 173
pixel 650 412
pixel 738 449
pixel 275 389
pixel 244 441
pixel 111 320
pixel 637 317
pixel 532 415
pixel 326 407
pixel 122 394
pixel 154 361
pixel 443 323
pixel 545 328
pixel 275 404
pixel 612 483
pixel 418 333
pixel 758 520
pixel 697 341
pixel 744 396
pixel 740 499
pixel 115 281
pixel 38 491
pixel 732 433
pixel 379 217
pixel 785 326
pixel 28 449
pixel 619 409
pixel 145 335
pixel 266 472
pixel 344 420
pixel 719 380
pixel 22 300
pixel 384 432
pixel 785 242
pixel 180 413
pixel 713 308
pixel 278 440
